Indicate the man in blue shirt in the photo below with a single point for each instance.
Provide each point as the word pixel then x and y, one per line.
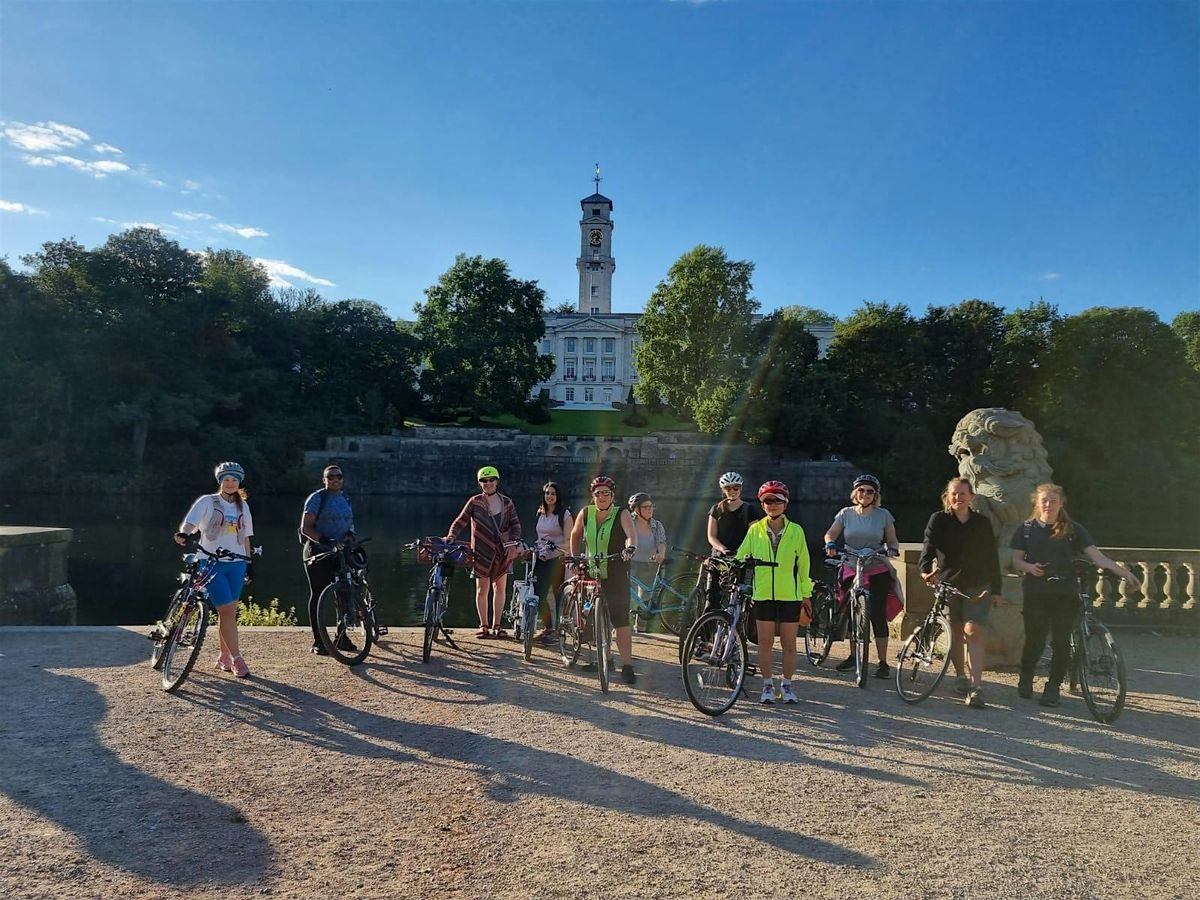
pixel 326 520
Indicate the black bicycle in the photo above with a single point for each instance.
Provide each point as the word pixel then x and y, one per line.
pixel 1096 667
pixel 345 608
pixel 698 597
pixel 441 556
pixel 179 636
pixel 844 614
pixel 925 656
pixel 716 658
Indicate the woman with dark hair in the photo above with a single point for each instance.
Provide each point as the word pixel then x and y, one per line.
pixel 494 523
pixel 1045 546
pixel 224 523
pixel 554 523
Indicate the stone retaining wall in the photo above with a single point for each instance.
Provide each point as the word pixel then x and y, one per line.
pixel 33 576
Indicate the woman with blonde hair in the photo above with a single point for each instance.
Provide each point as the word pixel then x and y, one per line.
pixel 1044 547
pixel 960 549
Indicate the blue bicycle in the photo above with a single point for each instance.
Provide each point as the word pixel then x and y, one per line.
pixel 442 556
pixel 670 600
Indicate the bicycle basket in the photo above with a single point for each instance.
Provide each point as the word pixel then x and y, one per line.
pixel 458 551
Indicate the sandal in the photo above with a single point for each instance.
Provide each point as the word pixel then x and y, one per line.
pixel 483 633
pixel 500 633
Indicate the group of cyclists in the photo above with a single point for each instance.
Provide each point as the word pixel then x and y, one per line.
pixel 959 548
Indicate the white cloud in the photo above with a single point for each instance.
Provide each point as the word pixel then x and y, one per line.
pixel 165 229
pixel 188 216
pixel 190 185
pixel 43 136
pixel 14 207
pixel 1050 276
pixel 156 183
pixel 99 169
pixel 278 269
pixel 242 230
pixel 108 148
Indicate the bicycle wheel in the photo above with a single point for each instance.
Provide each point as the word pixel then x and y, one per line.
pixel 343 624
pixel 714 663
pixel 570 621
pixel 166 626
pixel 923 659
pixel 432 605
pixel 691 612
pixel 183 647
pixel 818 636
pixel 1101 673
pixel 603 648
pixel 674 600
pixel 862 638
pixel 529 611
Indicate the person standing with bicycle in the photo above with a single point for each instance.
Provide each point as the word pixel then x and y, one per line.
pixel 866 525
pixel 554 523
pixel 728 522
pixel 780 593
pixel 962 545
pixel 1044 550
pixel 494 523
pixel 602 529
pixel 650 539
pixel 223 522
pixel 327 519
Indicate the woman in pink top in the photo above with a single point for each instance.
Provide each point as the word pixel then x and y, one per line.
pixel 554 524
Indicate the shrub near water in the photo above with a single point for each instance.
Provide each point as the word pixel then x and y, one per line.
pixel 250 613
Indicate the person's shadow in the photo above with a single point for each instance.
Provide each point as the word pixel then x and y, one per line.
pixel 56 762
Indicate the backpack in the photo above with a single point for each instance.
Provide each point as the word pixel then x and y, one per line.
pixel 320 509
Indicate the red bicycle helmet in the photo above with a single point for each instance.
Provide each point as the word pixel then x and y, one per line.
pixel 602 481
pixel 774 487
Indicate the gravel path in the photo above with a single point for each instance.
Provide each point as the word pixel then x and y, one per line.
pixel 480 775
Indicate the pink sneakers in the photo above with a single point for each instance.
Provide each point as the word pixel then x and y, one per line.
pixel 240 669
pixel 225 662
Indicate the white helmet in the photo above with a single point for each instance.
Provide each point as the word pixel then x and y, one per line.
pixel 729 479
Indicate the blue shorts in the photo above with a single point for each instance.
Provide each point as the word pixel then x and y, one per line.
pixel 226 586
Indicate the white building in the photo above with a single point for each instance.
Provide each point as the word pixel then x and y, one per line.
pixel 593 346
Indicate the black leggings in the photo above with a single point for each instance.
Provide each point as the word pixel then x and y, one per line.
pixel 320 575
pixel 1054 613
pixel 880 585
pixel 549 574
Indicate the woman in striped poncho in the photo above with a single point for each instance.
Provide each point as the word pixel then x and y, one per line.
pixel 494 522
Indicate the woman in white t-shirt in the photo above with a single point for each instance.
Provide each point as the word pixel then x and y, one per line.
pixel 554 524
pixel 223 521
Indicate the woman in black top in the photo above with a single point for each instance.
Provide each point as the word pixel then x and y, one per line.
pixel 1044 547
pixel 963 546
pixel 728 522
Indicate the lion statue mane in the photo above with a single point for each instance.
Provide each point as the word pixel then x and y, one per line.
pixel 1002 454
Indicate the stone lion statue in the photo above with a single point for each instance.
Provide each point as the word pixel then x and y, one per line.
pixel 1002 453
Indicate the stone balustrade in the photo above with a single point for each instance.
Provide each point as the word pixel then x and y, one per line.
pixel 33 576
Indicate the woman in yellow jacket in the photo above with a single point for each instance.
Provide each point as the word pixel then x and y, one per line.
pixel 782 593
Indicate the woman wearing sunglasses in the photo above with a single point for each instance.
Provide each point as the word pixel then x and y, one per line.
pixel 866 525
pixel 494 522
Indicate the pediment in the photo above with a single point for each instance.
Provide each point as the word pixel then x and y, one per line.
pixel 591 323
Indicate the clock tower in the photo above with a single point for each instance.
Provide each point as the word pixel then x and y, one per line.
pixel 595 264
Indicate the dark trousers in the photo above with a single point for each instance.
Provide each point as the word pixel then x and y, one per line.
pixel 1053 613
pixel 879 585
pixel 549 574
pixel 320 574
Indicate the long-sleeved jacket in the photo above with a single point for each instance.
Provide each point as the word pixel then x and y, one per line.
pixel 790 579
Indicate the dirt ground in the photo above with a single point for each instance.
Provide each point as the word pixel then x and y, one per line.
pixel 480 775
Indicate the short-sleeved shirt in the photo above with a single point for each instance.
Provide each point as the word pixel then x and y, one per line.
pixel 336 519
pixel 1056 555
pixel 733 525
pixel 221 523
pixel 646 543
pixel 864 532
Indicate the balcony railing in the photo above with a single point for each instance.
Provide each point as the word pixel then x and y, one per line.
pixel 570 376
pixel 608 377
pixel 589 377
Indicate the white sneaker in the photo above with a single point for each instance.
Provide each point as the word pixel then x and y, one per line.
pixel 768 694
pixel 786 693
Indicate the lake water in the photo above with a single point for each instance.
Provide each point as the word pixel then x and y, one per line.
pixel 124 562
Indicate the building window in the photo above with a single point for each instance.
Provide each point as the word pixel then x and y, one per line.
pixel 587 395
pixel 609 370
pixel 570 394
pixel 595 210
pixel 608 395
pixel 545 346
pixel 570 345
pixel 595 291
pixel 595 254
pixel 595 310
pixel 610 345
pixel 589 345
pixel 569 368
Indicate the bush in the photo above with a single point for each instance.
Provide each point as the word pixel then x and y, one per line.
pixel 250 613
pixel 536 412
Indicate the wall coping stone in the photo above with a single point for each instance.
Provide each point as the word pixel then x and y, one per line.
pixel 28 535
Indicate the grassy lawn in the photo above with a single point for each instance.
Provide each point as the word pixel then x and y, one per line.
pixel 584 421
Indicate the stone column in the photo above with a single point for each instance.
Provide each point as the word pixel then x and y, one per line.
pixel 33 576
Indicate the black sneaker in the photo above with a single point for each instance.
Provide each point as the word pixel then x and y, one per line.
pixel 846 665
pixel 345 644
pixel 627 674
pixel 883 670
pixel 1049 695
pixel 318 649
pixel 1025 688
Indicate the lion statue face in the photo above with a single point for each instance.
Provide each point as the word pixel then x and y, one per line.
pixel 1002 453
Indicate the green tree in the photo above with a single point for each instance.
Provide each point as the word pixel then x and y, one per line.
pixel 478 329
pixel 808 315
pixel 960 353
pixel 1187 326
pixel 695 336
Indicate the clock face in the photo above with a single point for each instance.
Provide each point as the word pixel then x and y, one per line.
pixel 595 236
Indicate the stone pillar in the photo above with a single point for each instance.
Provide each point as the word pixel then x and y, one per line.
pixel 33 576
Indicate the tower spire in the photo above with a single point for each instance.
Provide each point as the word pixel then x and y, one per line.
pixel 596 178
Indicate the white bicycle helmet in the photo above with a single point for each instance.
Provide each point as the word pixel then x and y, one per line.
pixel 730 479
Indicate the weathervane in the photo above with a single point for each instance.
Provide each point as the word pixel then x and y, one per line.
pixel 597 178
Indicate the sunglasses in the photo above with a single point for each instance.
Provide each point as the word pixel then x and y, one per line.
pixel 329 476
pixel 862 490
pixel 773 502
pixel 602 494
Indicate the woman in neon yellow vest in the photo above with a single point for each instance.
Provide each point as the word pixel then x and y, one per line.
pixel 604 529
pixel 781 594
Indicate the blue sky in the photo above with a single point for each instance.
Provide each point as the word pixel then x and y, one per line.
pixel 911 152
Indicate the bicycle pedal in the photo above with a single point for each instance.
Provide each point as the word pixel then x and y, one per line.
pixel 381 629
